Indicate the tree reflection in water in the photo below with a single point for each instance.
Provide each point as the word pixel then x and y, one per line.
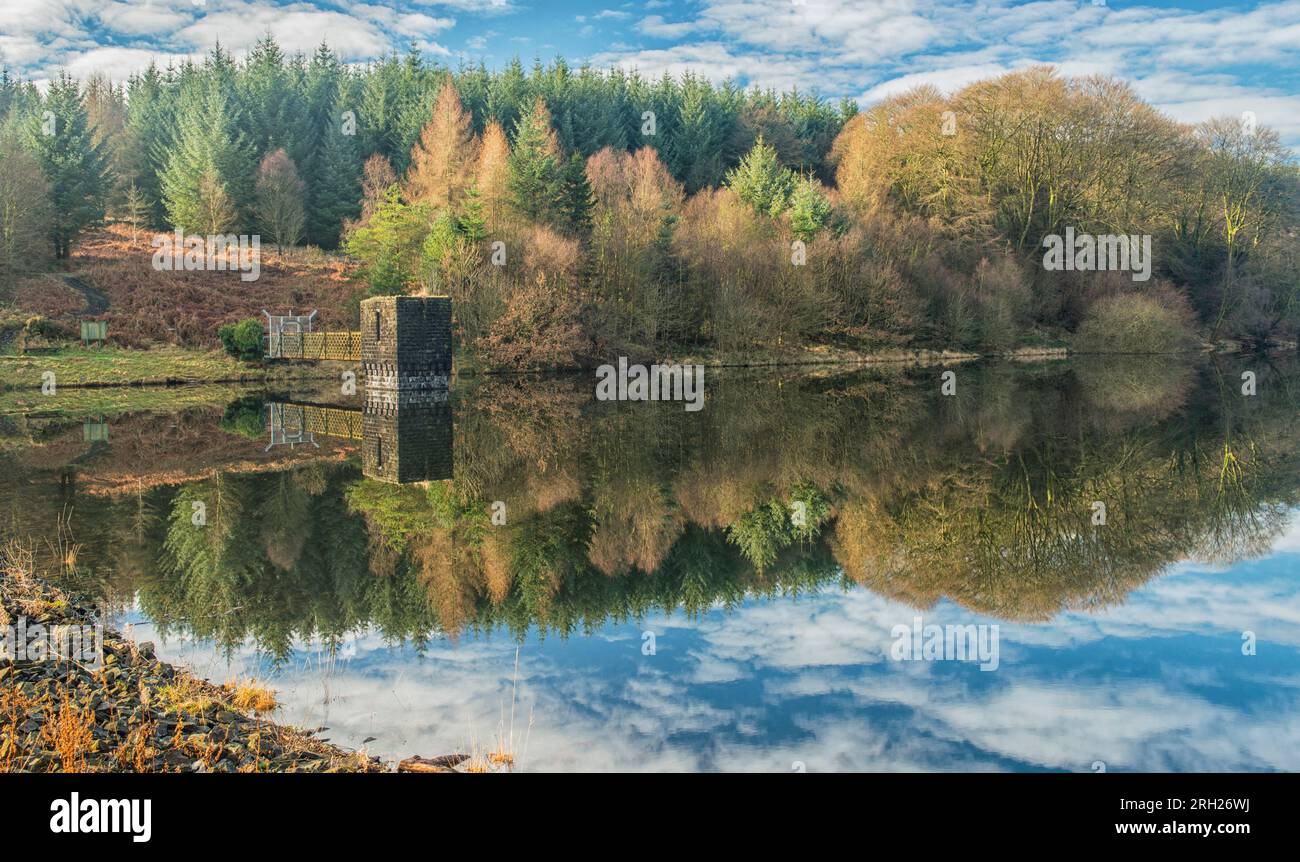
pixel 617 511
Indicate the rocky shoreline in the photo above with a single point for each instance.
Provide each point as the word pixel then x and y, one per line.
pixel 128 711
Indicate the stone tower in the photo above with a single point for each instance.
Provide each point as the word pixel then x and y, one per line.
pixel 406 342
pixel 406 436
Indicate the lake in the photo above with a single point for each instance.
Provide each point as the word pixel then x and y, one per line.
pixel 1090 565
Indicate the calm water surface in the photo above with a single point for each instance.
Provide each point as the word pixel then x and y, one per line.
pixel 717 590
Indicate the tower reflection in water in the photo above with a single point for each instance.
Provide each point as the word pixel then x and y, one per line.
pixel 405 434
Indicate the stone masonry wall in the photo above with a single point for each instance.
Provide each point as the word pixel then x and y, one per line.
pixel 406 341
pixel 406 438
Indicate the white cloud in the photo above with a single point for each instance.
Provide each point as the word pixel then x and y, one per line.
pixel 655 25
pixel 760 686
pixel 119 63
pixel 870 50
pixel 137 19
pixel 86 36
pixel 299 27
pixel 478 7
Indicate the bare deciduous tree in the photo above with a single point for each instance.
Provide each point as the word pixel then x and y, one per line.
pixel 279 206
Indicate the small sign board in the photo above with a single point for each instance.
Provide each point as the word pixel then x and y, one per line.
pixel 94 330
pixel 95 431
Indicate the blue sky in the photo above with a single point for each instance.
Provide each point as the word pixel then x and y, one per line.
pixel 1193 59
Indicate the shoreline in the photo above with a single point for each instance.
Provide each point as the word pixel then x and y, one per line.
pixel 134 713
pixel 232 372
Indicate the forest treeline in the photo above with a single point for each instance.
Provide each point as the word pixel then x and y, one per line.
pixel 577 213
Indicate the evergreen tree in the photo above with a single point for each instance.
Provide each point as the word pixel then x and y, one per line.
pixel 809 209
pixel 380 101
pixel 761 181
pixel 210 158
pixel 337 191
pixel 577 200
pixel 471 222
pixel 508 95
pixel 694 152
pixel 137 209
pixel 106 113
pixel 18 101
pixel 63 142
pixel 322 86
pixel 535 179
pixel 272 108
pixel 148 135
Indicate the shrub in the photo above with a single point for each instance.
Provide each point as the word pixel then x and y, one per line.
pixel 1158 321
pixel 244 417
pixel 242 340
pixel 539 329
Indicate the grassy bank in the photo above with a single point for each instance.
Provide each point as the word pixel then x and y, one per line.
pixel 77 366
pixel 109 401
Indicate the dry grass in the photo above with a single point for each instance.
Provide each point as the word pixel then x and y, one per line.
pixel 68 731
pixel 88 720
pixel 148 306
pixel 500 755
pixel 478 764
pixel 136 752
pixel 17 565
pixel 249 696
pixel 14 709
pixel 186 695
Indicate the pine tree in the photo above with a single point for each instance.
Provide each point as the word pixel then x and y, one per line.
pixel 694 148
pixel 809 209
pixel 336 197
pixel 148 134
pixel 323 88
pixel 577 200
pixel 271 108
pixel 106 114
pixel 442 158
pixel 761 181
pixel 209 154
pixel 535 180
pixel 380 101
pixel 137 209
pixel 62 140
pixel 470 221
pixel 508 95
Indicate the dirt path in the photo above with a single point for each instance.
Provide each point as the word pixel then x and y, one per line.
pixel 96 301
